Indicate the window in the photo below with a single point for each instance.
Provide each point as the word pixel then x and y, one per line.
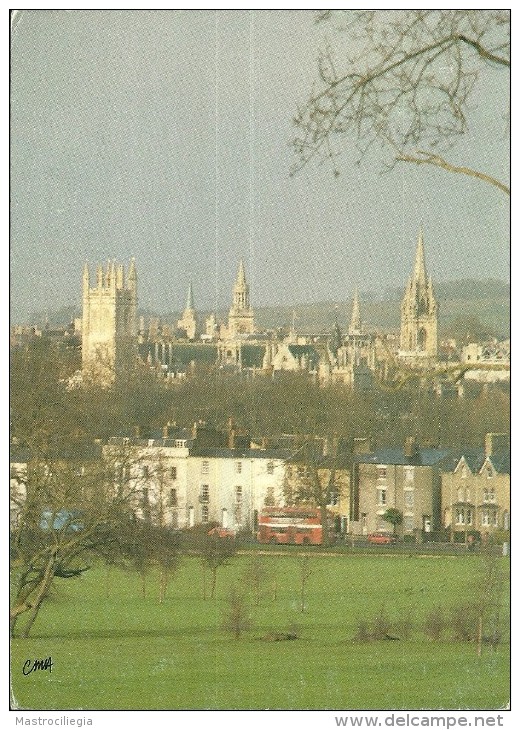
pixel 204 493
pixel 408 499
pixel 238 494
pixel 145 471
pixel 489 517
pixel 408 523
pixel 381 497
pixel 205 467
pixel 463 471
pixel 381 472
pixel 408 473
pixel 173 472
pixel 175 520
pixel 238 467
pixel 333 498
pixel 269 497
pixel 460 494
pixel 489 471
pixel 270 467
pixel 173 497
pixel 180 443
pixel 204 515
pixel 463 516
pixel 468 495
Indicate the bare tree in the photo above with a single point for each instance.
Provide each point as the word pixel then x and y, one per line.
pixel 404 83
pixel 313 481
pixel 256 576
pixel 68 510
pixel 213 550
pixel 236 618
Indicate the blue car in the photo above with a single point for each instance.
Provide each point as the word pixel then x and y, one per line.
pixel 68 519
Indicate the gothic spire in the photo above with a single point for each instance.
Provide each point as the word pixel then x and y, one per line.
pixel 419 270
pixel 355 320
pixel 241 278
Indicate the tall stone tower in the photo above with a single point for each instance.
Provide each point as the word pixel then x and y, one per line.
pixel 109 335
pixel 241 319
pixel 188 322
pixel 419 314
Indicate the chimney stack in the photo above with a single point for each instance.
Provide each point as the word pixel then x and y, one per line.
pixel 361 445
pixel 411 448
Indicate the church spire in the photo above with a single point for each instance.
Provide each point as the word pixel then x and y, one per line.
pixel 355 320
pixel 189 300
pixel 241 277
pixel 419 270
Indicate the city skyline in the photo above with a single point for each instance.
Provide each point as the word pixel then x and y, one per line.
pixel 165 137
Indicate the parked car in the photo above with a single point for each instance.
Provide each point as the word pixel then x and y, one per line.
pixel 381 538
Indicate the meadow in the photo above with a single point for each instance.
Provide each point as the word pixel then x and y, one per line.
pixel 112 648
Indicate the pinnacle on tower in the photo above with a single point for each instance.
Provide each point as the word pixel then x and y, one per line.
pixel 86 279
pixel 131 279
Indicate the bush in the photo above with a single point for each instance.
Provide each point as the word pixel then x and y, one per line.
pixel 381 626
pixel 464 622
pixel 434 624
pixel 363 632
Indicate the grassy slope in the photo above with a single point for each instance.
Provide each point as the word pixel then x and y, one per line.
pixel 126 652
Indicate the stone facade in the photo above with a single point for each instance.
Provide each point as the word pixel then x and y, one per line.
pixel 109 337
pixel 180 483
pixel 476 493
pixel 408 479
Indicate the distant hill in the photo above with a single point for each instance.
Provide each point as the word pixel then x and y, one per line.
pixel 487 301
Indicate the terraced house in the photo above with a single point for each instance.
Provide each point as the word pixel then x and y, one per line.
pixel 476 491
pixel 408 479
pixel 183 477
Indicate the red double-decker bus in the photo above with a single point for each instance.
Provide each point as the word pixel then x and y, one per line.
pixel 290 526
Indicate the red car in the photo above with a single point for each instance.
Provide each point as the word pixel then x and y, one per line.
pixel 381 538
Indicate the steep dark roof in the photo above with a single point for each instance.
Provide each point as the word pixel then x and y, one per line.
pixel 501 461
pixel 474 458
pixel 301 350
pixel 396 456
pixel 252 356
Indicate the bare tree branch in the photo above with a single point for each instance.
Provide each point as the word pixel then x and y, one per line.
pixel 421 157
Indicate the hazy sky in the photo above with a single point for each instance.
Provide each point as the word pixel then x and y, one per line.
pixel 165 135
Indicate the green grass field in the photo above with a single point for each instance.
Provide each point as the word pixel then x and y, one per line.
pixel 113 649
